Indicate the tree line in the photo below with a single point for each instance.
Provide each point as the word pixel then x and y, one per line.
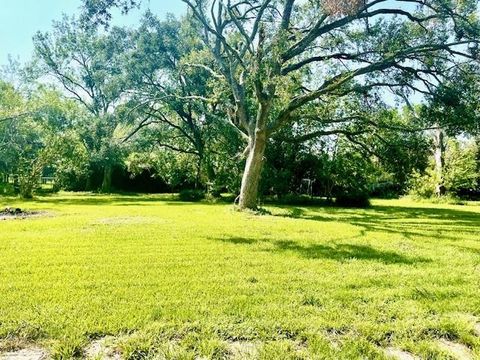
pixel 257 97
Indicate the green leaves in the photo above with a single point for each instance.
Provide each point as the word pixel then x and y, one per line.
pixel 40 136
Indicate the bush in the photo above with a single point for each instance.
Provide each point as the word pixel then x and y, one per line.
pixel 422 186
pixel 385 190
pixel 460 173
pixel 353 199
pixel 191 195
pixel 215 192
pixel 7 190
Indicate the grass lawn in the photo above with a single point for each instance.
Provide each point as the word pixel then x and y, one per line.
pixel 167 279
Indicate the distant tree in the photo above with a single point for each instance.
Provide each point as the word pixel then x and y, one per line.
pixel 33 135
pixel 11 110
pixel 452 109
pixel 461 166
pixel 386 144
pixel 164 91
pixel 87 64
pixel 459 176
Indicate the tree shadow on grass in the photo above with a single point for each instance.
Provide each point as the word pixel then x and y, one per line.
pixel 382 212
pixel 338 252
pixel 239 241
pixel 410 222
pixel 469 249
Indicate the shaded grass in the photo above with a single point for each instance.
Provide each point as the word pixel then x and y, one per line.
pixel 186 280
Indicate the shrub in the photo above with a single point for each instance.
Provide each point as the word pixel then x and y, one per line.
pixel 385 190
pixel 191 195
pixel 422 186
pixel 7 190
pixel 215 192
pixel 460 173
pixel 353 199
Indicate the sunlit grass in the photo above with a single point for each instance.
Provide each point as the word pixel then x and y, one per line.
pixel 182 280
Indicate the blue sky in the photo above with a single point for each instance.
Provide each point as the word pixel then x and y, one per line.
pixel 21 19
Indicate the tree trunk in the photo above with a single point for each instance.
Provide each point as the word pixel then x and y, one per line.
pixel 477 140
pixel 439 141
pixel 26 184
pixel 107 179
pixel 198 175
pixel 16 184
pixel 26 190
pixel 253 171
pixel 88 183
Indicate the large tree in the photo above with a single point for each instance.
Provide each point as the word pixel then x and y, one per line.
pixel 87 64
pixel 281 60
pixel 164 91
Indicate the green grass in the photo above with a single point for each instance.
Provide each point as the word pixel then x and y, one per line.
pixel 183 280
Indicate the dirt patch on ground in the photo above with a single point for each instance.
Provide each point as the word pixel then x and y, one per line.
pixel 19 214
pixel 101 349
pixel 240 350
pixel 25 354
pixel 399 354
pixel 476 329
pixel 459 351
